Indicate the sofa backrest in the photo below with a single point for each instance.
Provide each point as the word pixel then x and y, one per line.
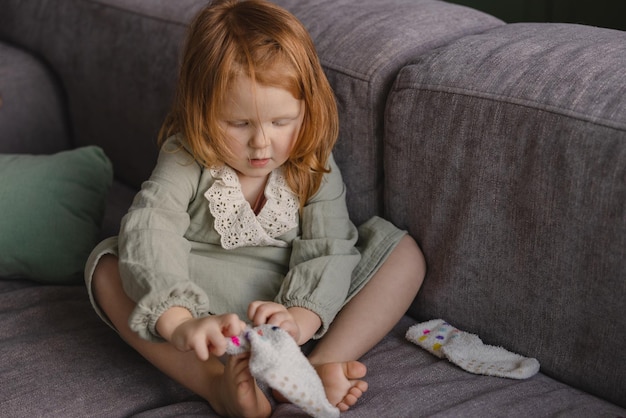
pixel 513 143
pixel 117 62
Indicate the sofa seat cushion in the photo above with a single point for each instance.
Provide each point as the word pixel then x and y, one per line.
pixel 52 208
pixel 514 145
pixel 64 361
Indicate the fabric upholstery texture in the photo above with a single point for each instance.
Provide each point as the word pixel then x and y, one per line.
pixel 501 151
pixel 29 88
pixel 129 100
pixel 114 28
pixel 526 190
pixel 342 30
pixel 51 210
pixel 118 201
pixel 80 367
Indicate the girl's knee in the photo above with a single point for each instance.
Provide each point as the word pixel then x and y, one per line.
pixel 106 266
pixel 110 298
pixel 107 261
pixel 413 258
pixel 413 249
pixel 105 276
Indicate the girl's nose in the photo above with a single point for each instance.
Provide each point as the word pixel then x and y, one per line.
pixel 259 138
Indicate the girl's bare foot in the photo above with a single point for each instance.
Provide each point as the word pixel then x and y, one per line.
pixel 238 394
pixel 342 382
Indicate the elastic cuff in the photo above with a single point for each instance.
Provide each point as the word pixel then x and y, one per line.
pixel 144 318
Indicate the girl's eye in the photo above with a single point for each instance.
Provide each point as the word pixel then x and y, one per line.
pixel 238 123
pixel 280 122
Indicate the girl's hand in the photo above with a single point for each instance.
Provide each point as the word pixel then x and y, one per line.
pixel 272 313
pixel 300 323
pixel 207 335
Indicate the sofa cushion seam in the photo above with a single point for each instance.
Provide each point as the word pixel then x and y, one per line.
pixel 136 13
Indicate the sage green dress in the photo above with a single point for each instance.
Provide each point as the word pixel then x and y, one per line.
pixel 190 239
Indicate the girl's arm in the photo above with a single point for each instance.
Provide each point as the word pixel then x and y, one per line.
pixel 325 255
pixel 153 251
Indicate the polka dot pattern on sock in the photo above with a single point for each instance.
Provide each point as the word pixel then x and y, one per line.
pixel 276 359
pixel 468 351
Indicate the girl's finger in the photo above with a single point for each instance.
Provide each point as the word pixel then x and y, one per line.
pixel 262 312
pixel 231 325
pixel 202 351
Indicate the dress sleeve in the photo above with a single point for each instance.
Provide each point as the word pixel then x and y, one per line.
pixel 153 250
pixel 324 256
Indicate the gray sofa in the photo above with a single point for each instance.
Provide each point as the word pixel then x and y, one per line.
pixel 500 147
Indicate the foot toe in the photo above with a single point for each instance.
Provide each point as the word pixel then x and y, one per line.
pixel 355 370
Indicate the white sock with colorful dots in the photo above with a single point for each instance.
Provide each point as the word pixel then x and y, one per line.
pixel 468 351
pixel 276 359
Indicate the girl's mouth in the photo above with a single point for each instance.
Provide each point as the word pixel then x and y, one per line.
pixel 259 162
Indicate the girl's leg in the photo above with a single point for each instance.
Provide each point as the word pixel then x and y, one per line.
pixel 388 294
pixel 230 389
pixel 355 330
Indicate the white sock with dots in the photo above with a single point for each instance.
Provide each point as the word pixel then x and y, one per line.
pixel 468 351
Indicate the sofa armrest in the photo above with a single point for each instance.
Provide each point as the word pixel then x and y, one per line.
pixel 506 157
pixel 32 107
pixel 362 45
pixel 118 62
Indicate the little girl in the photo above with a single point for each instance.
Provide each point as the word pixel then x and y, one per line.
pixel 244 218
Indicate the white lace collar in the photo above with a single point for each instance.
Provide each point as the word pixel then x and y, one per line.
pixel 235 220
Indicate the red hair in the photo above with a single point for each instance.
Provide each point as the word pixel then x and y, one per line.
pixel 271 46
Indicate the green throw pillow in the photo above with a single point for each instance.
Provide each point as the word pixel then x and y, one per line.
pixel 51 210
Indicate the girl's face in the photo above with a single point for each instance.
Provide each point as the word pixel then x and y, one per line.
pixel 262 125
